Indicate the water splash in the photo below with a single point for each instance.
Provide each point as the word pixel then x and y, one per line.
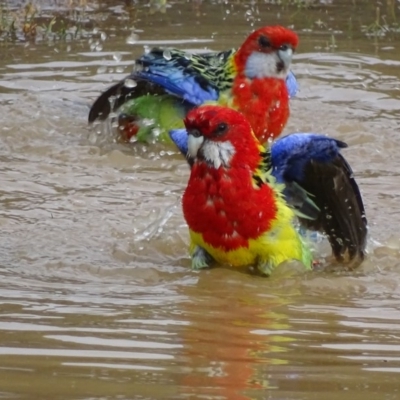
pixel 167 54
pixel 132 38
pixel 130 83
pixel 155 228
pixel 117 57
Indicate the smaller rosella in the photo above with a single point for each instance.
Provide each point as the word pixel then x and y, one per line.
pixel 233 205
pixel 319 184
pixel 254 79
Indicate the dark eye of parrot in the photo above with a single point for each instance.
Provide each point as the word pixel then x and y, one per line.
pixel 284 47
pixel 221 129
pixel 264 42
pixel 194 132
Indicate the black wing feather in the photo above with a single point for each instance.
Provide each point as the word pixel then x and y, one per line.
pixel 342 215
pixel 103 106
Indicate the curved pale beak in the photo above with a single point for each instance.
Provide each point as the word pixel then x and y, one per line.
pixel 194 144
pixel 286 57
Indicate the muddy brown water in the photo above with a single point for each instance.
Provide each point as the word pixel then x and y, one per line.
pixel 97 300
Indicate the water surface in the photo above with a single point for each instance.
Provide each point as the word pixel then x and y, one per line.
pixel 97 297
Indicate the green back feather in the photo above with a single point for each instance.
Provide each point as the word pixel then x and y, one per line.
pixel 156 115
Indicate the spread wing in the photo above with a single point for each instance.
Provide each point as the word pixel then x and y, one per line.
pixel 119 93
pixel 313 164
pixel 195 78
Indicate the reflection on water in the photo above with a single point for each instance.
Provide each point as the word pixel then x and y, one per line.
pixel 97 300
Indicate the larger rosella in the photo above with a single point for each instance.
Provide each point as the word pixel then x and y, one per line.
pixel 233 205
pixel 315 180
pixel 254 79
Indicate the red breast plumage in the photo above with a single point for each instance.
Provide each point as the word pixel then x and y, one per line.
pixel 259 93
pixel 223 204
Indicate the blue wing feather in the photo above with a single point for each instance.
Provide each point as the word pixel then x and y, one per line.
pixel 292 153
pixel 177 84
pixel 182 75
pixel 291 84
pixel 180 138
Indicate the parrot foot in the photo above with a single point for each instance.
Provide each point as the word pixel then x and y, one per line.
pixel 200 259
pixel 265 267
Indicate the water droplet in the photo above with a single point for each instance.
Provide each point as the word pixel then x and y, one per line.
pixel 119 69
pixel 228 11
pixel 99 47
pixel 249 12
pixel 103 36
pixel 92 138
pixel 167 54
pixel 156 132
pixel 101 70
pixel 117 57
pixel 147 122
pixel 95 31
pixel 132 38
pixel 130 83
pixel 146 49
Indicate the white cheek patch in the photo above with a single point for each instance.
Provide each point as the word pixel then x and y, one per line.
pixel 261 65
pixel 217 153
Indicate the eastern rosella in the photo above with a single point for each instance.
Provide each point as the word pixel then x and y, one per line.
pixel 319 184
pixel 254 79
pixel 233 205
